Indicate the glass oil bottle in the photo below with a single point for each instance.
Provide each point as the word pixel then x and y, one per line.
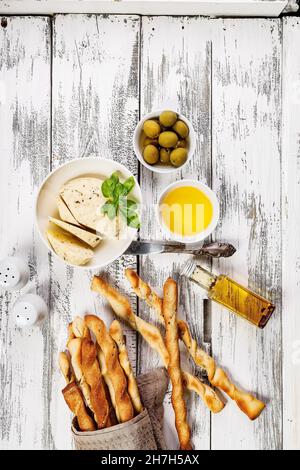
pixel 230 294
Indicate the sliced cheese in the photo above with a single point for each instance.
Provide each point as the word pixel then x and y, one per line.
pixel 64 212
pixel 69 248
pixel 84 235
pixel 84 199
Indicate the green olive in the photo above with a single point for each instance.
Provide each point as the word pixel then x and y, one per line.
pixel 148 141
pixel 167 118
pixel 181 144
pixel 181 129
pixel 151 128
pixel 164 155
pixel 151 154
pixel 168 139
pixel 178 156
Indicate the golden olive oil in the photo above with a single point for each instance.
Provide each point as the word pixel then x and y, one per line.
pixel 227 292
pixel 186 211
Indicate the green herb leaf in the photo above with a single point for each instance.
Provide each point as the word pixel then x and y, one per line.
pixel 134 221
pixel 131 205
pixel 129 185
pixel 109 209
pixel 116 193
pixel 108 186
pixel 119 191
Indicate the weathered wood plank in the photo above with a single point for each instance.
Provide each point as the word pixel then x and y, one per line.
pixel 175 72
pixel 290 234
pixel 24 162
pixel 247 178
pixel 95 110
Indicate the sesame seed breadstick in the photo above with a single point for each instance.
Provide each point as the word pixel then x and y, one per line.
pixel 153 337
pixel 170 300
pixel 65 367
pixel 92 375
pixel 70 333
pixel 74 399
pixel 250 405
pixel 108 382
pixel 116 333
pixel 124 407
pixel 247 403
pixel 80 330
pixel 74 347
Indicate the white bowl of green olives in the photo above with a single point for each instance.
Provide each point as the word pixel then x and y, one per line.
pixel 164 141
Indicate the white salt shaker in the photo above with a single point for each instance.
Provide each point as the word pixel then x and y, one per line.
pixel 29 310
pixel 14 274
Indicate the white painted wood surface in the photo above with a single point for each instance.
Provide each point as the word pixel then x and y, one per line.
pixel 175 73
pixel 225 75
pixel 246 159
pixel 94 114
pixel 24 161
pixel 147 7
pixel 291 236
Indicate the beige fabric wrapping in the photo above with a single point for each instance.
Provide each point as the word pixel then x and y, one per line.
pixel 143 432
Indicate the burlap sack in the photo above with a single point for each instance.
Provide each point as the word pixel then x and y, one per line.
pixel 144 432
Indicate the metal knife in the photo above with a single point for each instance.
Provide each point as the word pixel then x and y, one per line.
pixel 213 250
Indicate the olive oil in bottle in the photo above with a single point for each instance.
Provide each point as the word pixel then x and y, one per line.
pixel 230 294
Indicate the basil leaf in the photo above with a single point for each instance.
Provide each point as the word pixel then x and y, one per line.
pixel 109 209
pixel 108 187
pixel 134 221
pixel 119 191
pixel 131 205
pixel 128 185
pixel 115 177
pixel 116 192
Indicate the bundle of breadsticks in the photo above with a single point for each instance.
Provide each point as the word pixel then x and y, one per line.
pixel 101 389
pixel 168 349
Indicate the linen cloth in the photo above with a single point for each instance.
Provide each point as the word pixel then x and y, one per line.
pixel 143 432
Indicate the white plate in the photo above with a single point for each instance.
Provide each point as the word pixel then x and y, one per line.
pixel 108 250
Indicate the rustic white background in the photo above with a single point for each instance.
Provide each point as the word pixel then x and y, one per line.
pixel 75 86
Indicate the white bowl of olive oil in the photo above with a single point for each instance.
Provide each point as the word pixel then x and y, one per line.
pixel 188 211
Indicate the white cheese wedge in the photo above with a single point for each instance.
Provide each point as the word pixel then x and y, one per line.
pixel 84 235
pixel 64 212
pixel 84 199
pixel 68 247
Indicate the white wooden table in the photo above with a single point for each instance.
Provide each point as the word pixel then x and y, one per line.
pixel 74 86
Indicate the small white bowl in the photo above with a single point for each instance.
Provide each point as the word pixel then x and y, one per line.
pixel 215 218
pixel 109 249
pixel 158 167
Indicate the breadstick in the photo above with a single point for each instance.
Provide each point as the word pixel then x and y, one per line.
pixel 99 392
pixel 250 405
pixel 74 347
pixel 124 408
pixel 74 399
pixel 116 333
pixel 92 375
pixel 153 337
pixel 80 330
pixel 170 300
pixel 108 382
pixel 65 367
pixel 70 333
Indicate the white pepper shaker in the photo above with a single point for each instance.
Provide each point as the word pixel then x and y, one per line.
pixel 29 310
pixel 14 274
